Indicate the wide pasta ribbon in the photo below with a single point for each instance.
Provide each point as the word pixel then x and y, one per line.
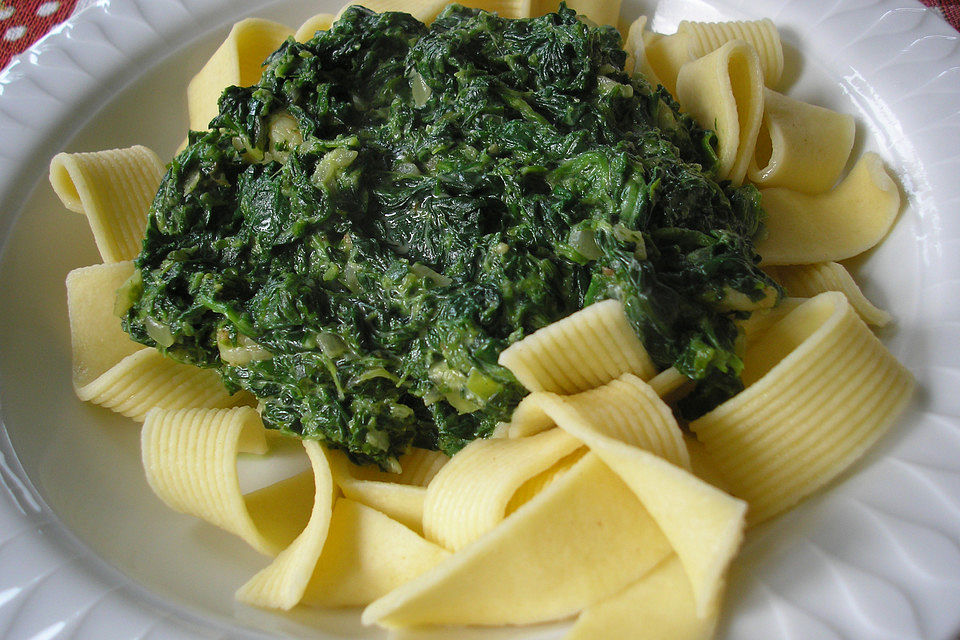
pixel 313 24
pixel 113 189
pixel 472 493
pixel 584 350
pixel 237 62
pixel 282 584
pixel 841 223
pixel 808 280
pixel 147 380
pixel 661 604
pixel 762 35
pixel 399 495
pixel 626 409
pixel 821 388
pixel 190 459
pixel 111 370
pixel 355 553
pixel 800 146
pixel 693 40
pixel 96 335
pixel 724 91
pixel 703 524
pixel 583 538
pixel 635 45
pixel 366 555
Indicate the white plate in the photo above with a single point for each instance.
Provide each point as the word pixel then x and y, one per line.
pixel 87 552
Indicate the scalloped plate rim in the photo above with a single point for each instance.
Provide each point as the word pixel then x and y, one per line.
pixel 22 508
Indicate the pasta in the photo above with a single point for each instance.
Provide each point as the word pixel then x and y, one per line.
pixel 319 22
pixel 762 35
pixel 401 501
pixel 190 460
pixel 694 40
pixel 113 190
pixel 146 379
pixel 800 146
pixel 580 352
pixel 636 47
pixel 703 525
pixel 810 279
pixel 583 562
pixel 366 556
pixel 838 224
pixel 98 340
pixel 822 345
pixel 592 501
pixel 724 90
pixel 236 62
pixel 661 604
pixel 284 581
pixel 625 410
pixel 111 370
pixel 470 495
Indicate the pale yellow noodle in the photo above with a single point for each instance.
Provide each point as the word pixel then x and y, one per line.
pixel 114 189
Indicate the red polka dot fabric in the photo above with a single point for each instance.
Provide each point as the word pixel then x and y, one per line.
pixel 23 22
pixel 949 9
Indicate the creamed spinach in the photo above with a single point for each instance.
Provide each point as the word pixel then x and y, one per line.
pixel 358 236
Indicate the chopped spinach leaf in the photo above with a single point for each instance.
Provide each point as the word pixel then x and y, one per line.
pixel 358 236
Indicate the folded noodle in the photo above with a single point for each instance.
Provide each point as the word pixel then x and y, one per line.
pixel 694 40
pixel 636 47
pixel 402 502
pixel 800 146
pixel 820 389
pixel 190 459
pixel 146 379
pixel 366 555
pixel 838 224
pixel 668 382
pixel 113 371
pixel 114 189
pixel 626 409
pixel 724 91
pixel 808 280
pixel 237 62
pixel 470 495
pixel 96 335
pixel 283 583
pixel 700 464
pixel 582 351
pixel 666 55
pixel 313 24
pixel 529 489
pixel 762 35
pixel 759 321
pixel 703 524
pixel 582 539
pixel 660 603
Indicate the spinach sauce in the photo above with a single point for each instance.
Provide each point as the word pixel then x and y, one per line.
pixel 359 235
